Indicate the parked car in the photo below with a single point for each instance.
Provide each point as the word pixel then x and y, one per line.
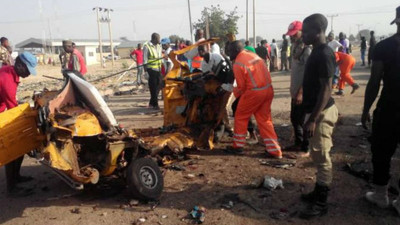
pixel 109 57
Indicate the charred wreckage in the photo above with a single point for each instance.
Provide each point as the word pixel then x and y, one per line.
pixel 73 131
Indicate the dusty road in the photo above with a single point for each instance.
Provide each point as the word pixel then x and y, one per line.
pixel 216 177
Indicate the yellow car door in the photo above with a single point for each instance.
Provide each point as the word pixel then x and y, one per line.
pixel 19 133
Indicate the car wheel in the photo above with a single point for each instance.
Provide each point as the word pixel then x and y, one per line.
pixel 144 179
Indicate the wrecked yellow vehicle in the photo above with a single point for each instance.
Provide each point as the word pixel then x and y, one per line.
pixel 74 132
pixel 194 106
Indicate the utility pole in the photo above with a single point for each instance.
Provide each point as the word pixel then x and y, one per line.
pixel 254 24
pixel 134 30
pixel 51 39
pixel 247 20
pixel 349 31
pixel 207 27
pixel 190 21
pixel 358 30
pixel 99 32
pixel 332 16
pixel 110 34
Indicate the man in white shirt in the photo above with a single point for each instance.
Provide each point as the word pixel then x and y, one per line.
pixel 347 42
pixel 215 64
pixel 211 60
pixel 274 55
pixel 333 44
pixel 165 43
pixel 215 48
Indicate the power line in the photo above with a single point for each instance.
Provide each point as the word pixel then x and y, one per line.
pixel 305 14
pixel 332 16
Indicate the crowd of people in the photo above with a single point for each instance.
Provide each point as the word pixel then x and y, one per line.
pixel 316 61
pixel 318 64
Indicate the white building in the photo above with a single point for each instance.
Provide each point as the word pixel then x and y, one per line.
pixel 88 47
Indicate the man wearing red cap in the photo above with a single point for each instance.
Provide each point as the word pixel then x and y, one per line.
pixel 300 53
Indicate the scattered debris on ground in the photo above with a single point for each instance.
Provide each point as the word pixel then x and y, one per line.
pixel 198 214
pixel 283 214
pixel 272 183
pixel 360 168
pixel 283 164
pixel 76 211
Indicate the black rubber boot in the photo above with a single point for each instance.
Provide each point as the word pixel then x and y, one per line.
pixel 233 151
pixel 311 197
pixel 318 205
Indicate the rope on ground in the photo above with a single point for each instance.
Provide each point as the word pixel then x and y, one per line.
pixel 124 71
pixel 54 78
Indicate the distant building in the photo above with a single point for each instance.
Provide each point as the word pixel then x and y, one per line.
pixel 88 47
pixel 126 47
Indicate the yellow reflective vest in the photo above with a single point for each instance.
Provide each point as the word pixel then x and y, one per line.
pixel 154 56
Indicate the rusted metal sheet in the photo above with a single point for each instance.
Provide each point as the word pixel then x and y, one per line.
pixel 65 159
pixel 176 142
pixel 115 149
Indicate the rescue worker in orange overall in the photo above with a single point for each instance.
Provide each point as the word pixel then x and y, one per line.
pixel 256 93
pixel 346 63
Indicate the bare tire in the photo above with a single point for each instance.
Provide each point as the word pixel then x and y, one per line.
pixel 144 179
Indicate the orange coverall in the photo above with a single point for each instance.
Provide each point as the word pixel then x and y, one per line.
pixel 256 93
pixel 346 63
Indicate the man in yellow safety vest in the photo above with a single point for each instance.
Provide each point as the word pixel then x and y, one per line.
pixel 152 63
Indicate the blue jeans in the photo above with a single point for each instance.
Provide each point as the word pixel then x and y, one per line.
pixel 335 79
pixel 363 56
pixel 139 74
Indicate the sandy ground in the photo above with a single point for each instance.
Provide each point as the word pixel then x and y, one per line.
pixel 216 175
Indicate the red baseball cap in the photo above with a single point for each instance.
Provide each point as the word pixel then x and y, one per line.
pixel 294 27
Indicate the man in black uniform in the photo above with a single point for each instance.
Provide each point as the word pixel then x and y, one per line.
pixel 386 119
pixel 284 59
pixel 372 43
pixel 320 109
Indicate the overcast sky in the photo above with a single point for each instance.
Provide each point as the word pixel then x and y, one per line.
pixel 137 19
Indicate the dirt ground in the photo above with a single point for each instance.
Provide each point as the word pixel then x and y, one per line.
pixel 216 176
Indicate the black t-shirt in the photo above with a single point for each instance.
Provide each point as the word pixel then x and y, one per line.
pixel 262 52
pixel 285 45
pixel 320 64
pixel 388 51
pixel 363 44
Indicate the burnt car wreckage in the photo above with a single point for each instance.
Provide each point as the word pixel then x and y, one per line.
pixel 74 132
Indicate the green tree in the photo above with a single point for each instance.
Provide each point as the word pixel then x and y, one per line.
pixel 363 33
pixel 220 23
pixel 352 38
pixel 173 38
pixel 258 40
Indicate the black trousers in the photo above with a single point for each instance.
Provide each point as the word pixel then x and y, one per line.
pixel 12 172
pixel 251 126
pixel 155 80
pixel 297 117
pixel 384 141
pixel 370 52
pixel 284 61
